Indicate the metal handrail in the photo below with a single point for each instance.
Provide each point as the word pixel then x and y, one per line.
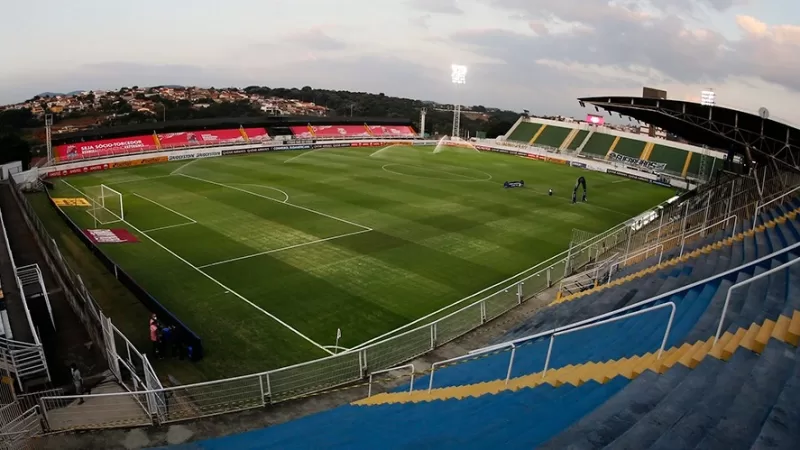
pixel 679 290
pixel 411 385
pixel 582 325
pixel 745 283
pixel 733 231
pixel 639 253
pixel 761 206
pixel 614 319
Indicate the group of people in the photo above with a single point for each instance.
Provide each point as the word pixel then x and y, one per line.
pixel 163 339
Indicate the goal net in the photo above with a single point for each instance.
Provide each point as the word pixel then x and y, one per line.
pixel 107 206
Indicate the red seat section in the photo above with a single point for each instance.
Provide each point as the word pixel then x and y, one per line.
pixel 105 147
pixel 330 131
pixel 392 130
pixel 208 137
pixel 257 134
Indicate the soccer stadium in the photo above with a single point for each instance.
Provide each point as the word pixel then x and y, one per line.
pixel 353 283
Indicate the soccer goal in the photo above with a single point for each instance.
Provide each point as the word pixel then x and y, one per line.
pixel 107 206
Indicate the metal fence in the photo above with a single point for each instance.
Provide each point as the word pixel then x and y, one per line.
pixel 154 404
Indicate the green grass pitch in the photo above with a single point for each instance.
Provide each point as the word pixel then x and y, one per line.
pixel 266 255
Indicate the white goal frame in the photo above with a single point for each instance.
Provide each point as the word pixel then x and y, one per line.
pixel 100 203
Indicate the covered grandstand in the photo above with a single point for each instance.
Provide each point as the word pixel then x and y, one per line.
pixel 600 142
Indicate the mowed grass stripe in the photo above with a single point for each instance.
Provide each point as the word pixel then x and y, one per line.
pixel 237 223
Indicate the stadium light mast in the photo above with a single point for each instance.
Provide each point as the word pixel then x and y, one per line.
pixel 48 128
pixel 458 76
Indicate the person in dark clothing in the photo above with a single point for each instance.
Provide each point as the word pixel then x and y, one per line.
pixel 166 340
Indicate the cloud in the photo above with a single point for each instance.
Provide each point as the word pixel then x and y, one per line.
pixel 623 36
pixel 436 6
pixel 314 39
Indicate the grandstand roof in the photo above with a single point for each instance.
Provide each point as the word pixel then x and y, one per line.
pixel 218 123
pixel 761 140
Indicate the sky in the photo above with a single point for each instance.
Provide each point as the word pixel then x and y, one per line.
pixel 538 55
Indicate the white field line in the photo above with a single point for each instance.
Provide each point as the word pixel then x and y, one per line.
pixel 168 227
pixel 178 169
pixel 318 241
pixel 307 152
pixel 114 183
pixel 278 201
pixel 286 200
pixel 165 207
pixel 241 297
pixel 619 181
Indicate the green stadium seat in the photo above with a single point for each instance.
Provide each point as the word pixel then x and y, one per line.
pixel 524 132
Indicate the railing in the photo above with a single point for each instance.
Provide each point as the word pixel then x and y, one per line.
pixel 614 319
pixel 26 359
pixel 32 275
pixel 704 229
pixel 665 295
pixel 641 253
pixel 740 284
pixel 18 433
pixel 589 278
pixel 780 197
pixel 407 366
pixel 553 333
pixel 100 328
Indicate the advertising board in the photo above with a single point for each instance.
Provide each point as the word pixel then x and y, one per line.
pixel 211 137
pixel 105 147
pixel 196 155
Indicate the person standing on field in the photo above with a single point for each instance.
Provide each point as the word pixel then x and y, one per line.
pixel 154 336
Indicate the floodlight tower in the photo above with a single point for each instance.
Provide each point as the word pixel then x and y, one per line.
pixel 48 126
pixel 422 115
pixel 458 76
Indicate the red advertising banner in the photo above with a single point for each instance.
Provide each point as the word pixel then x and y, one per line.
pixel 105 147
pixel 115 236
pixel 75 171
pixel 209 137
pixel 257 134
pixel 397 131
pixel 328 131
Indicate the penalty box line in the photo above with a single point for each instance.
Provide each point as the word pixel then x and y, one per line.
pixel 214 280
pixel 364 227
pixel 190 220
pixel 317 241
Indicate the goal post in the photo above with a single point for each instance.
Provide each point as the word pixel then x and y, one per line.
pixel 112 201
pixel 107 205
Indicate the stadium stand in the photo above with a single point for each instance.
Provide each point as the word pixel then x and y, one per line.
pixel 524 132
pixel 577 140
pixel 629 147
pixel 552 136
pixel 395 131
pixel 674 158
pixel 598 144
pixel 339 131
